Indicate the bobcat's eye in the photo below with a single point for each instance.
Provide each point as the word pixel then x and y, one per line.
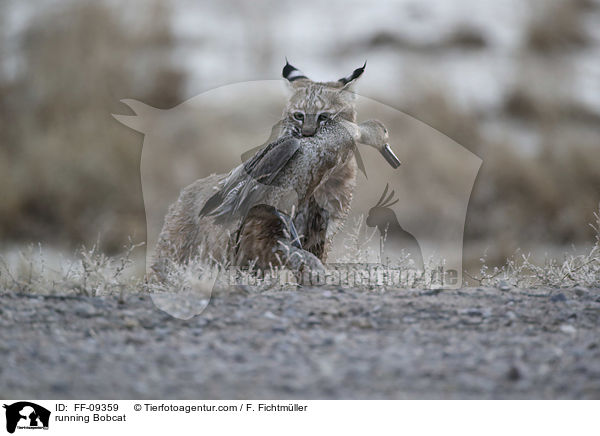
pixel 299 116
pixel 324 116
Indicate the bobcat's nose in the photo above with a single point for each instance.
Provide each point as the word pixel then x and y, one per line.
pixel 308 130
pixel 309 127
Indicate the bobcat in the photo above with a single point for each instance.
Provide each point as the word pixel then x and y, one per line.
pixel 289 198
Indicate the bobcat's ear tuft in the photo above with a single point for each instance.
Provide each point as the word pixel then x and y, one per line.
pixel 291 73
pixel 349 81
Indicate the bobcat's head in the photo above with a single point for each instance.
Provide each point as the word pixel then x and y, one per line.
pixel 314 103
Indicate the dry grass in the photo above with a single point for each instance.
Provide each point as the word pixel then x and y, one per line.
pixel 92 273
pixel 88 272
pixel 570 271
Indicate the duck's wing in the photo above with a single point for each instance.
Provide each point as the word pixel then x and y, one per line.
pixel 245 185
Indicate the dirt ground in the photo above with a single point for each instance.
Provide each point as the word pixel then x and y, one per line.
pixel 306 344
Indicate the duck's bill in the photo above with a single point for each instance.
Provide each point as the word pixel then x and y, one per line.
pixel 390 156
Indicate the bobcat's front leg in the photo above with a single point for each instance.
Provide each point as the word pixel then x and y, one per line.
pixel 267 238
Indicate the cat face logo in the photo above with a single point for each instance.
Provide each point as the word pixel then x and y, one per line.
pixel 26 415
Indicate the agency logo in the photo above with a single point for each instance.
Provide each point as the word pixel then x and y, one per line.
pixel 222 182
pixel 391 232
pixel 24 415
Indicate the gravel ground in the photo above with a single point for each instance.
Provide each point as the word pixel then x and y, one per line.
pixel 311 343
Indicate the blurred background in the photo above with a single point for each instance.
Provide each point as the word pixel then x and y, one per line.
pixel 517 82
